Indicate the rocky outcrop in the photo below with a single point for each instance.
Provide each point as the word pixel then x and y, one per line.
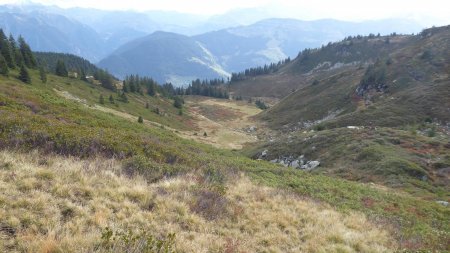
pixel 296 163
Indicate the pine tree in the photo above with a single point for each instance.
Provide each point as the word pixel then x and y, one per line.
pixel 61 69
pixel 15 51
pixel 43 74
pixel 140 119
pixel 24 76
pixel 27 54
pixel 124 97
pixel 5 49
pixel 178 102
pixel 125 87
pixel 102 100
pixel 3 66
pixel 18 57
pixel 83 75
pixel 151 89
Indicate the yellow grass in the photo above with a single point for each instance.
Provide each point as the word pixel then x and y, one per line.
pixel 228 133
pixel 57 204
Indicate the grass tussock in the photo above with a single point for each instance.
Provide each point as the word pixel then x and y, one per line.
pixel 55 204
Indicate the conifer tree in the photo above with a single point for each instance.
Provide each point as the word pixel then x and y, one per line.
pixel 3 66
pixel 151 89
pixel 27 54
pixel 24 76
pixel 124 97
pixel 14 51
pixel 83 75
pixel 5 50
pixel 125 87
pixel 140 119
pixel 111 99
pixel 43 74
pixel 102 100
pixel 61 69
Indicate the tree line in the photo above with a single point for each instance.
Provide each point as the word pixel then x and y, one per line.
pixel 146 85
pixel 261 70
pixel 16 55
pixel 71 62
pixel 209 88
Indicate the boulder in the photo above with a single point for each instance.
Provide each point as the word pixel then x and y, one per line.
pixel 444 203
pixel 264 153
pixel 295 164
pixel 310 165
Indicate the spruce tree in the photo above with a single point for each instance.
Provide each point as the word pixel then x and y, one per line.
pixel 14 51
pixel 102 100
pixel 124 97
pixel 3 66
pixel 125 87
pixel 43 74
pixel 24 76
pixel 151 89
pixel 61 69
pixel 5 50
pixel 27 54
pixel 18 57
pixel 140 119
pixel 83 75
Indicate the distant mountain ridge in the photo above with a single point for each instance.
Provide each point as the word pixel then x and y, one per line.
pixel 235 49
pixel 97 34
pixel 56 33
pixel 166 57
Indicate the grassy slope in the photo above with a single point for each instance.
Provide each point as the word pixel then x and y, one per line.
pixel 303 70
pixel 418 88
pixel 34 116
pixel 399 159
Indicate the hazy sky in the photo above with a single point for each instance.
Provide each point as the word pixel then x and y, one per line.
pixel 425 11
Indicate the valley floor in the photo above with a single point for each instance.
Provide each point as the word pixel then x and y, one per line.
pixel 227 124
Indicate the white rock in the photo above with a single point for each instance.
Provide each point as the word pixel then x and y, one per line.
pixel 444 203
pixel 313 164
pixel 264 153
pixel 295 164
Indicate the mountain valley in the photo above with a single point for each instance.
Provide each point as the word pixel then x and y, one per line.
pixel 274 135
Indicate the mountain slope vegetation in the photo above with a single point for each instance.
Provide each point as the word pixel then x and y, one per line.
pixel 381 118
pixel 378 81
pixel 77 170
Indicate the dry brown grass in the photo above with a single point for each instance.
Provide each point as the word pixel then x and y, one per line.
pixel 223 121
pixel 55 204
